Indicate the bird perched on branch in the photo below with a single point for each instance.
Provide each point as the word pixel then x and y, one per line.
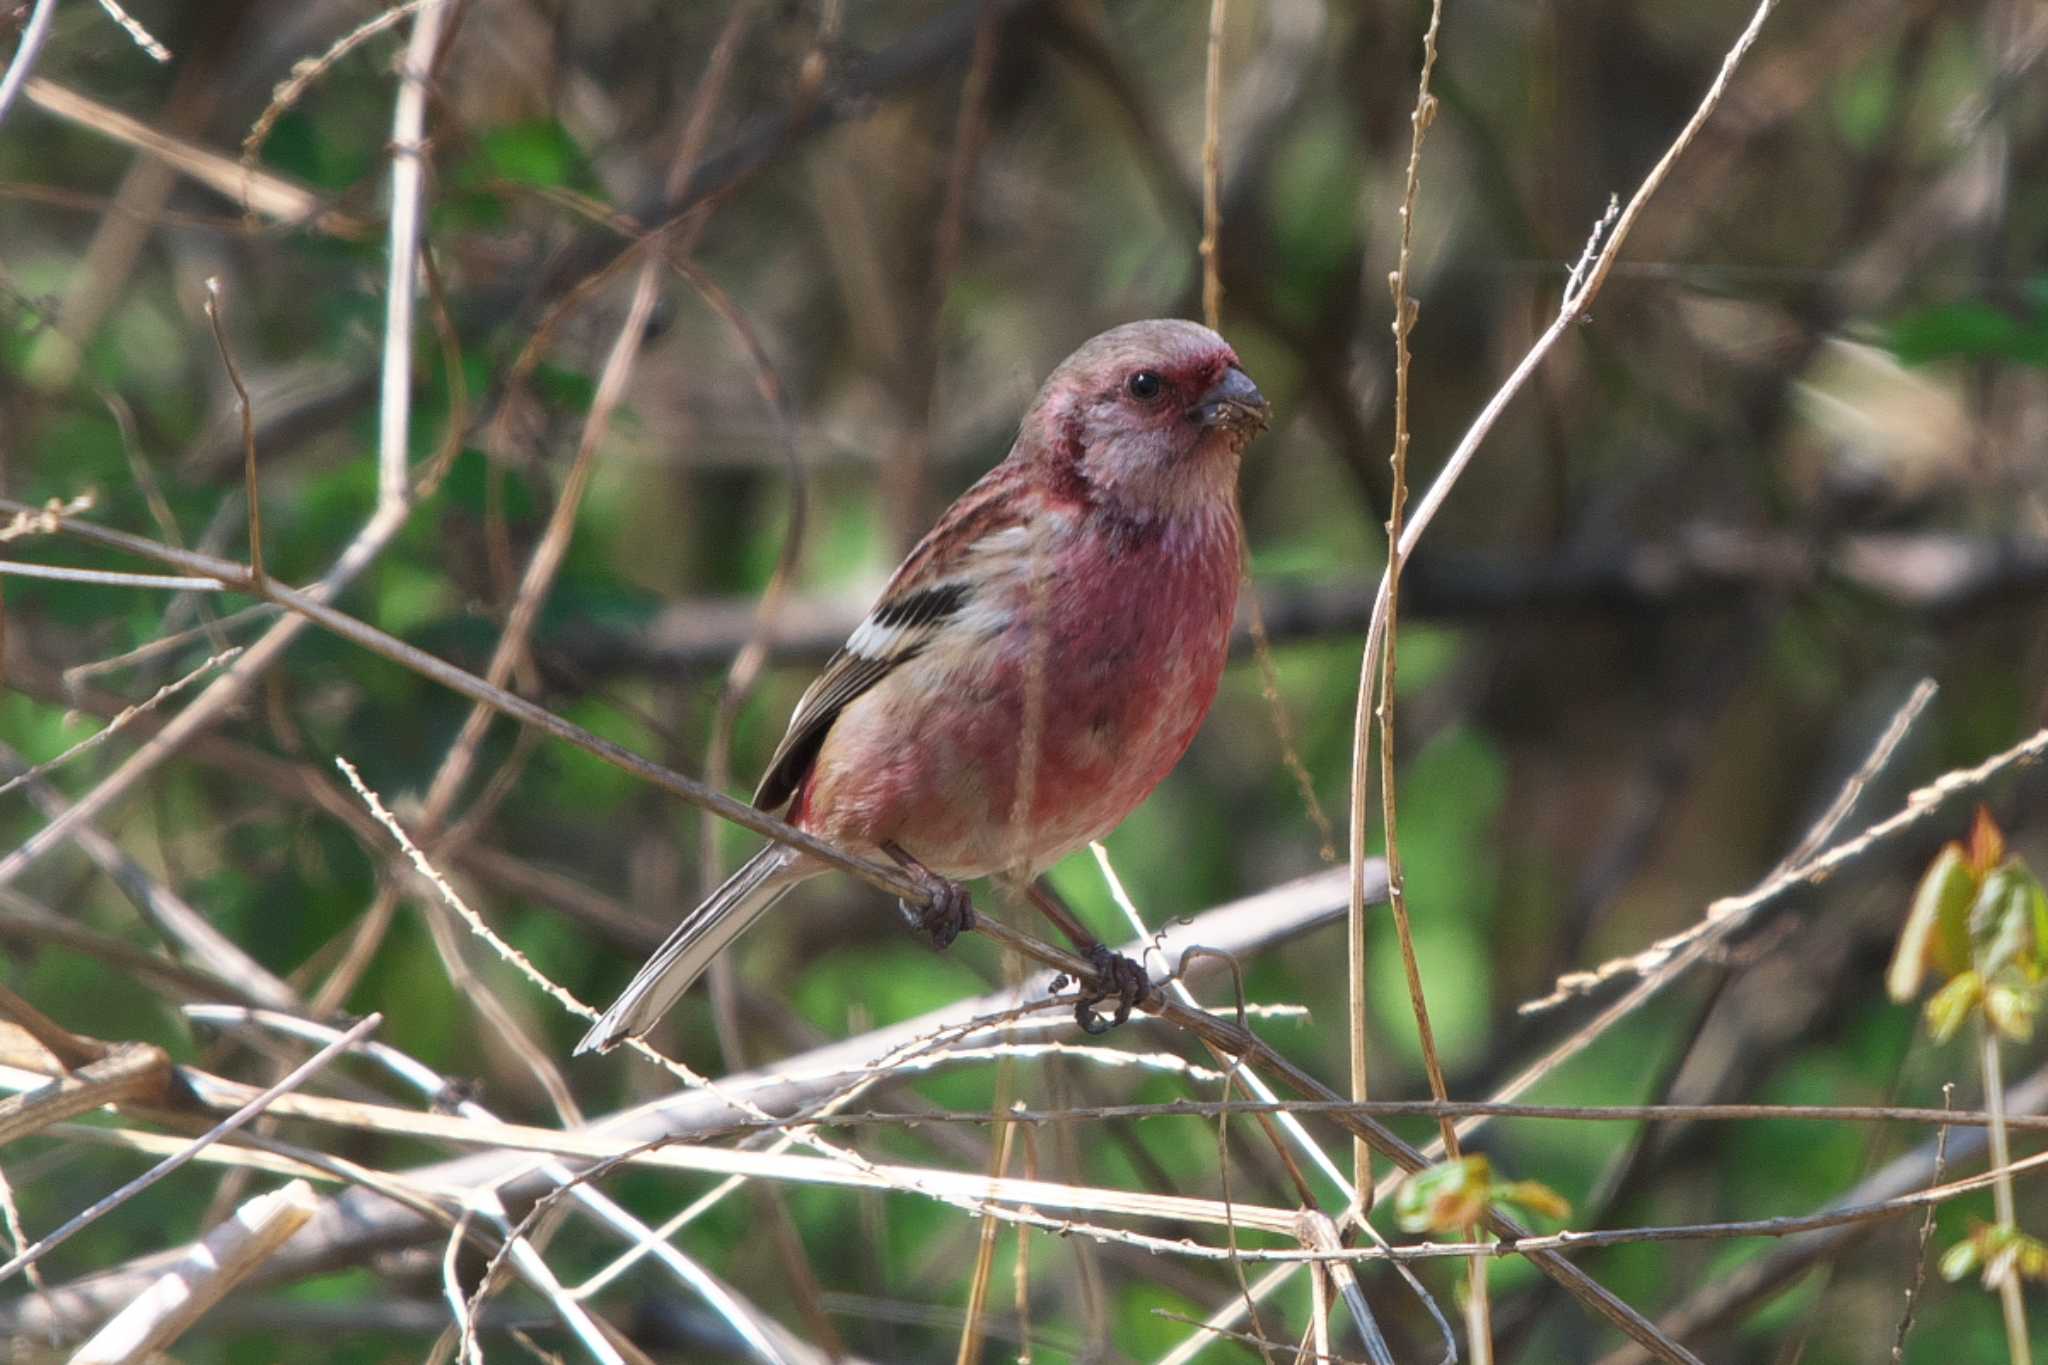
pixel 1033 669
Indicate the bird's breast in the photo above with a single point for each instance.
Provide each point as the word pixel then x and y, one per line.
pixel 1051 706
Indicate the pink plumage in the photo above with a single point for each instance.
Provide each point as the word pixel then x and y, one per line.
pixel 1063 628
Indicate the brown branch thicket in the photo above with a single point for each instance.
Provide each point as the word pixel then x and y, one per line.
pixel 381 378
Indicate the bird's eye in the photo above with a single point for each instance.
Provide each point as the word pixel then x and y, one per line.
pixel 1144 386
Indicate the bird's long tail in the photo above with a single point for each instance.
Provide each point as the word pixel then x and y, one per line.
pixel 702 936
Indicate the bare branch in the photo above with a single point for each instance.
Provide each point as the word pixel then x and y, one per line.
pixel 298 1076
pixel 230 1252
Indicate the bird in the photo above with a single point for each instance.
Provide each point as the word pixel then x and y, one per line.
pixel 1038 663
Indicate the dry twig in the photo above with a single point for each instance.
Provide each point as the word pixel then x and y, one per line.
pixel 201 1279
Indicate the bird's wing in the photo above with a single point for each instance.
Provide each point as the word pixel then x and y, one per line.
pixel 925 592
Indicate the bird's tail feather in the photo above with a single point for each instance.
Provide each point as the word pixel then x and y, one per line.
pixel 702 936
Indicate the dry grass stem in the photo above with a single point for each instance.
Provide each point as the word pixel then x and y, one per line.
pixel 1212 168
pixel 170 643
pixel 2012 1307
pixel 85 1218
pixel 263 193
pixel 1479 1332
pixel 1232 1039
pixel 131 1073
pixel 972 1332
pixel 523 1256
pixel 512 956
pixel 857 1171
pixel 202 1278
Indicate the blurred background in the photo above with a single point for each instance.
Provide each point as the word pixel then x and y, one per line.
pixel 1793 464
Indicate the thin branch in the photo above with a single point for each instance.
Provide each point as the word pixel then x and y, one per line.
pixel 307 70
pixel 1662 961
pixel 33 36
pixel 201 1279
pixel 166 911
pixel 1919 1278
pixel 1212 172
pixel 348 1225
pixel 306 608
pixel 108 578
pixel 276 197
pixel 407 181
pixel 1717 1302
pixel 137 34
pixel 298 1076
pixel 132 1072
pixel 401 277
pixel 23 919
pixel 1581 289
pixel 166 644
pixel 1405 310
pixel 437 1088
pixel 1686 948
pixel 2012 1307
pixel 1375 1344
pixel 475 921
pixel 1933 576
pixel 252 490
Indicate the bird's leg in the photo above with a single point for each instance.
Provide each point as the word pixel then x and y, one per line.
pixel 1117 977
pixel 949 911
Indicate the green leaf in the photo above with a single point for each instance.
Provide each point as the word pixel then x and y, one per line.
pixel 305 147
pixel 1533 1196
pixel 564 389
pixel 1950 1007
pixel 539 153
pixel 1969 329
pixel 2033 1258
pixel 1445 1197
pixel 2002 922
pixel 2037 910
pixel 1959 1260
pixel 1937 926
pixel 2011 1010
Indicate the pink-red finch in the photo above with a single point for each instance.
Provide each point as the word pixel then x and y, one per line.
pixel 1062 631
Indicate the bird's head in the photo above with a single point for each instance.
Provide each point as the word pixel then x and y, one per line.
pixel 1151 416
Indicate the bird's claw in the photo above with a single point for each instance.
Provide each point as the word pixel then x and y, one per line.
pixel 1117 978
pixel 947 915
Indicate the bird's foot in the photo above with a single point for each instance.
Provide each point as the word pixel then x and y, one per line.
pixel 947 915
pixel 947 912
pixel 1117 978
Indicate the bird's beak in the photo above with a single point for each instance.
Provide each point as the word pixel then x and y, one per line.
pixel 1234 401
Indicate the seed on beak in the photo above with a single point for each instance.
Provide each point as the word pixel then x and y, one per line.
pixel 1234 401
